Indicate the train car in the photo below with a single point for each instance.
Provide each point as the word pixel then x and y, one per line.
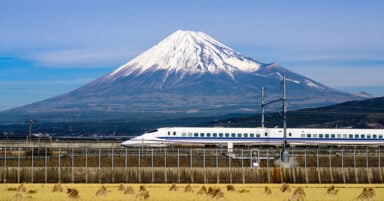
pixel 256 136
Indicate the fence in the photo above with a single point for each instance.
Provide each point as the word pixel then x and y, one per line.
pixel 87 164
pixel 185 157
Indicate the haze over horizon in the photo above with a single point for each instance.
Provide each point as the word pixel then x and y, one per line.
pixel 50 48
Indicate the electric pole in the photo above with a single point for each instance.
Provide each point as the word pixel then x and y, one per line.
pixel 284 114
pixel 284 154
pixel 30 122
pixel 262 106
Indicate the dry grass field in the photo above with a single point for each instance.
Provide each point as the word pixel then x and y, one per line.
pixel 192 192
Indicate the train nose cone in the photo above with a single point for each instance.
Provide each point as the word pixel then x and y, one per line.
pixel 130 143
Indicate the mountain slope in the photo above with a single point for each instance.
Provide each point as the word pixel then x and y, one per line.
pixel 188 73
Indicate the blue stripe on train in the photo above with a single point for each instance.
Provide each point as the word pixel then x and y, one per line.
pixel 269 139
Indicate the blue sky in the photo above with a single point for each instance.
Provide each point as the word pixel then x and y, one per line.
pixel 50 47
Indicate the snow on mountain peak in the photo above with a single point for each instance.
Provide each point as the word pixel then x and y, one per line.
pixel 188 52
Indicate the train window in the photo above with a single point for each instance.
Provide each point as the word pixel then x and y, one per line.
pixel 251 135
pixel 344 135
pixel 320 135
pixel 374 136
pixel 368 136
pixel 356 135
pixel 326 135
pixel 208 134
pixel 315 135
pixel 220 134
pixel 174 132
pixel 303 135
pixel 257 134
pixel 350 135
pixel 309 136
pixel 239 135
pixel 265 134
pixel 214 134
pixel 333 135
pixel 196 134
pixel 201 134
pixel 183 134
pixel 189 134
pixel 169 132
pixel 226 134
pixel 338 135
pixel 290 134
pixel 233 135
pixel 245 134
pixel 362 136
pixel 380 136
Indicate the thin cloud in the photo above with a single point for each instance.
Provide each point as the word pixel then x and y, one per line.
pixel 47 82
pixel 344 76
pixel 82 58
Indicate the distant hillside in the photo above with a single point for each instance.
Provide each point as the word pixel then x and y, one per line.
pixel 358 114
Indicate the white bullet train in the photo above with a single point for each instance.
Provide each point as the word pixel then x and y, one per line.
pixel 256 136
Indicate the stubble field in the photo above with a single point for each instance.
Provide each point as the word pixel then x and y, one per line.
pixel 162 192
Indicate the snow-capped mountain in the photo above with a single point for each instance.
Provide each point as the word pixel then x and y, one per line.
pixel 187 53
pixel 188 73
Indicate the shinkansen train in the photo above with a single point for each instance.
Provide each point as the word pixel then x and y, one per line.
pixel 256 136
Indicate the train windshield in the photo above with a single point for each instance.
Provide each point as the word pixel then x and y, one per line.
pixel 152 131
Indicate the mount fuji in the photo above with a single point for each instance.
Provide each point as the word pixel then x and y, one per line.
pixel 188 73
